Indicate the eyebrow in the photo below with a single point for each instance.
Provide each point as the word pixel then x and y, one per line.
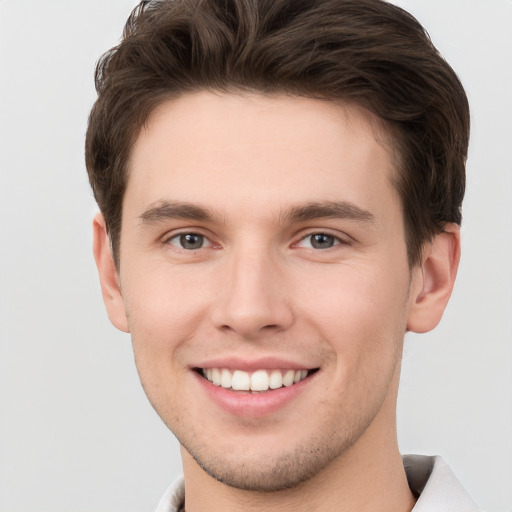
pixel 328 210
pixel 165 210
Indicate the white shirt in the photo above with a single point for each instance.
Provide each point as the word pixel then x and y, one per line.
pixel 430 479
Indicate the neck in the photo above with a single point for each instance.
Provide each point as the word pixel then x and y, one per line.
pixel 368 477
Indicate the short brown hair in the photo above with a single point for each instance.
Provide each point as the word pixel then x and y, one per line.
pixel 367 52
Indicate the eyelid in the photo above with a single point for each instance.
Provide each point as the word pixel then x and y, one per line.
pixel 206 241
pixel 166 239
pixel 340 238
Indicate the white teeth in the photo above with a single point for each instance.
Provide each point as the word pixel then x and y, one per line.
pixel 241 381
pixel 276 380
pixel 225 378
pixel 215 376
pixel 288 378
pixel 260 380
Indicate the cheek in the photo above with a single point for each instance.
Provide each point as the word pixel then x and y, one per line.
pixel 161 319
pixel 367 296
pixel 361 313
pixel 163 311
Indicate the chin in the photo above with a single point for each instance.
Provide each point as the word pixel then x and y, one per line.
pixel 265 472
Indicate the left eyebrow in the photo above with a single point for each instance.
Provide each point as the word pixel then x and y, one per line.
pixel 328 210
pixel 165 210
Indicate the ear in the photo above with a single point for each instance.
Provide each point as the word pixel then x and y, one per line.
pixel 433 281
pixel 109 276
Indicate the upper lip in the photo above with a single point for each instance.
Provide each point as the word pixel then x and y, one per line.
pixel 248 365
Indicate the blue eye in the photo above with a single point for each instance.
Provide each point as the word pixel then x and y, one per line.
pixel 189 241
pixel 319 241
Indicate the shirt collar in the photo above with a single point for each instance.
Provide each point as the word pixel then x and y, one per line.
pixel 435 486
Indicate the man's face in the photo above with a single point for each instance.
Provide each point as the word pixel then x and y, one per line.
pixel 262 241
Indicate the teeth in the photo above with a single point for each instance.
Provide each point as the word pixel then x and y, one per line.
pixel 241 381
pixel 215 376
pixel 288 378
pixel 225 378
pixel 260 380
pixel 276 380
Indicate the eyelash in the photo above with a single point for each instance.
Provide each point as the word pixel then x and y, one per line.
pixel 336 240
pixel 179 237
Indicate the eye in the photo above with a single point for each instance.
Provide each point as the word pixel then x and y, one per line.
pixel 189 241
pixel 319 241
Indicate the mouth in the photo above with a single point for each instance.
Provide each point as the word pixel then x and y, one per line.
pixel 258 381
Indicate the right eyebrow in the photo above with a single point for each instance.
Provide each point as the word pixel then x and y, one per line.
pixel 165 210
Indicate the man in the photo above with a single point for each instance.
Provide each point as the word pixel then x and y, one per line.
pixel 280 185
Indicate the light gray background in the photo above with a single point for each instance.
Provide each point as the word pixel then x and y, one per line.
pixel 76 432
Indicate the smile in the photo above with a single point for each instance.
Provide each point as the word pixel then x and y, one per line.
pixel 257 381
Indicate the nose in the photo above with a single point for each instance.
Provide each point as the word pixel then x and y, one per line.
pixel 253 300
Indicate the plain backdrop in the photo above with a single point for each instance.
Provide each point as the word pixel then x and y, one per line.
pixel 76 431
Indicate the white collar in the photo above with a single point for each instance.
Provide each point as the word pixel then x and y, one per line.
pixel 438 489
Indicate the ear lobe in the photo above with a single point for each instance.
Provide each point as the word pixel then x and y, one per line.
pixel 109 277
pixel 434 280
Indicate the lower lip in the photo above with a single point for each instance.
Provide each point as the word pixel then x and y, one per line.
pixel 253 405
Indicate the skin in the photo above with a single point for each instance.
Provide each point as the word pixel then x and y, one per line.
pixel 260 176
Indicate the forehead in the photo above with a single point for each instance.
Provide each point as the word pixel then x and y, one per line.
pixel 260 149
